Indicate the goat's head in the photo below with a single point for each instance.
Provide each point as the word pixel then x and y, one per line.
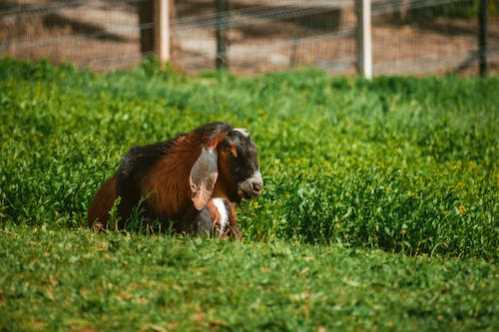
pixel 228 163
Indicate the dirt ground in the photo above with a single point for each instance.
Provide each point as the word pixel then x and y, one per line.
pixel 264 36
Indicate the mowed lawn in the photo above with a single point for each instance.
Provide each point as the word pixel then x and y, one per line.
pixel 380 208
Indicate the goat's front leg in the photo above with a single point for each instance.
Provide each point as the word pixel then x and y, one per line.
pixel 217 219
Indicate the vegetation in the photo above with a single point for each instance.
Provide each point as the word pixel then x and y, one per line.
pixel 77 280
pixel 409 166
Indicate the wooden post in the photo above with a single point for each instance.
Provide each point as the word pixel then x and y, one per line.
pixel 404 8
pixel 145 10
pixel 482 37
pixel 222 7
pixel 364 38
pixel 162 30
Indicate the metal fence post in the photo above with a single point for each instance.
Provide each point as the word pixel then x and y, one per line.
pixel 364 38
pixel 482 37
pixel 222 7
pixel 162 30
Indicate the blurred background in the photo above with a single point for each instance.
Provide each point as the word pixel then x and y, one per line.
pixel 415 37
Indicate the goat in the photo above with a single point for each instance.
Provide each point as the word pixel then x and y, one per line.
pixel 179 180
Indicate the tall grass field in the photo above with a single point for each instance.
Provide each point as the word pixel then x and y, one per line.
pixel 380 208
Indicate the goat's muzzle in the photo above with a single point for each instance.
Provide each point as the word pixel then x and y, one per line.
pixel 251 187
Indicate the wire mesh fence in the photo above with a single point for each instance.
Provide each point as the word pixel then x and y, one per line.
pixel 268 35
pixel 409 36
pixel 424 37
pixel 97 34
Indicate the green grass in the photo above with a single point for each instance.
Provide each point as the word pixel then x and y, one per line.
pixel 77 280
pixel 380 208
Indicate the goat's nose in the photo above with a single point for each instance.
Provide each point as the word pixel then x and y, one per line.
pixel 257 187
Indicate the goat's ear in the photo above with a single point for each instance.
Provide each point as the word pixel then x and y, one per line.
pixel 203 177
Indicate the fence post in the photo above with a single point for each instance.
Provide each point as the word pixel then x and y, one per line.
pixel 364 38
pixel 145 11
pixel 162 30
pixel 482 37
pixel 222 7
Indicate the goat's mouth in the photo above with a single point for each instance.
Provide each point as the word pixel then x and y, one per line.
pixel 248 194
pixel 252 187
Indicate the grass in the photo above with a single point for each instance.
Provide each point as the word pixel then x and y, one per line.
pixel 380 208
pixel 79 280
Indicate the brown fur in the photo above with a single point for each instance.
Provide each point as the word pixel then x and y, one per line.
pixel 214 213
pixel 167 185
pixel 225 186
pixel 232 231
pixel 98 213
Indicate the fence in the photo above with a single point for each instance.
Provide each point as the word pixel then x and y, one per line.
pixel 408 36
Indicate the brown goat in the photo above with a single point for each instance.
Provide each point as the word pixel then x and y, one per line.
pixel 177 179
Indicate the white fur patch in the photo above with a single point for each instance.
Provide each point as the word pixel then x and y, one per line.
pixel 243 131
pixel 224 214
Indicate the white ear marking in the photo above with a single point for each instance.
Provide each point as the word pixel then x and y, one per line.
pixel 243 131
